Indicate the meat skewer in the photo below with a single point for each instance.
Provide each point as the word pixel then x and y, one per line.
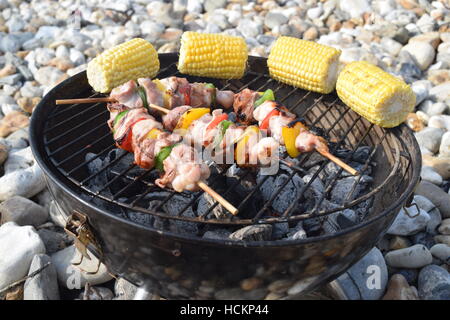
pixel 137 131
pixel 275 119
pixel 169 92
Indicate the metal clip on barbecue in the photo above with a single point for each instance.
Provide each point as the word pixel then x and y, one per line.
pixel 78 228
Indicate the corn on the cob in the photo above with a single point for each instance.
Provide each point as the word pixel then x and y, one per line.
pixel 375 94
pixel 304 64
pixel 130 60
pixel 212 55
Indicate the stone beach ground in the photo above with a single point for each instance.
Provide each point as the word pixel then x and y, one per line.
pixel 44 42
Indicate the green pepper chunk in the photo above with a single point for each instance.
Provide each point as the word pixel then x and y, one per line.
pixel 143 96
pixel 268 95
pixel 222 126
pixel 213 93
pixel 119 117
pixel 162 155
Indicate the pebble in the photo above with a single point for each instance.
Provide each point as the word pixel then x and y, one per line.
pixel 399 289
pixel 19 246
pixel 435 216
pixel 22 211
pixel 416 256
pixel 436 195
pixel 423 53
pixel 441 92
pixel 398 242
pixel 428 174
pixel 409 222
pixel 444 149
pixel 124 290
pixel 96 293
pixel 48 76
pixel 444 228
pixel 249 28
pixel 314 13
pixel 441 251
pixel 442 239
pixel 72 277
pixel 211 5
pixel 274 19
pixel 29 90
pixel 434 283
pixel 53 241
pixel 44 285
pixel 430 138
pixel 355 8
pixel 4 149
pixel 359 283
pixel 391 46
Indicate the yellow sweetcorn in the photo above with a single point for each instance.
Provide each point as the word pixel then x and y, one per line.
pixel 378 96
pixel 304 64
pixel 130 60
pixel 212 55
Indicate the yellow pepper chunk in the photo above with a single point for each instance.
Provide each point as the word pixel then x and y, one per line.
pixel 242 151
pixel 153 134
pixel 290 133
pixel 191 115
pixel 161 87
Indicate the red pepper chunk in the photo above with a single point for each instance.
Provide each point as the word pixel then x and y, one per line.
pixel 216 121
pixel 126 142
pixel 265 123
pixel 186 92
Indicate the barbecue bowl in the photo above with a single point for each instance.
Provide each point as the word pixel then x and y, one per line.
pixel 186 266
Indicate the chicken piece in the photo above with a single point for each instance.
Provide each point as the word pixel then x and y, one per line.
pixel 243 105
pixel 143 147
pixel 260 113
pixel 308 142
pixel 276 123
pixel 264 151
pixel 178 89
pixel 127 94
pixel 225 98
pixel 201 96
pixel 154 96
pixel 171 119
pixel 183 169
pixel 127 122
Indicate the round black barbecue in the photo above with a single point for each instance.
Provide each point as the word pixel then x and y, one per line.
pixel 68 140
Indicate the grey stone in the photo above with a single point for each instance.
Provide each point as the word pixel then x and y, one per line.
pixel 219 234
pixel 48 76
pixel 441 92
pixel 404 225
pixel 434 283
pixel 430 138
pixel 441 251
pixel 436 195
pixel 53 240
pixel 260 232
pixel 11 80
pixel 274 19
pixel 10 43
pixel 249 28
pixel 96 293
pixel 124 290
pixel 435 216
pixel 444 149
pixel 18 247
pixel 357 283
pixel 423 238
pixel 211 5
pixel 22 211
pixel 75 277
pixel 416 256
pixel 44 285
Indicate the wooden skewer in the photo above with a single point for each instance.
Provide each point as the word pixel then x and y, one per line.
pixel 85 100
pixel 234 211
pixel 163 110
pixel 338 161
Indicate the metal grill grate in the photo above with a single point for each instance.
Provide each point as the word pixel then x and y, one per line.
pixel 73 130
